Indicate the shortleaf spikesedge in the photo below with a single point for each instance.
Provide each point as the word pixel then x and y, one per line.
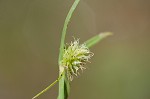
pixel 72 57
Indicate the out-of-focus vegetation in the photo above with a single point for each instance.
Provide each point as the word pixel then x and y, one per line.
pixel 30 33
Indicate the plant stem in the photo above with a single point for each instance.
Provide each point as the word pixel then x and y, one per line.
pixel 47 88
pixel 62 93
pixel 65 28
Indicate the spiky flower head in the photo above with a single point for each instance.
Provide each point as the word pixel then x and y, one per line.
pixel 75 57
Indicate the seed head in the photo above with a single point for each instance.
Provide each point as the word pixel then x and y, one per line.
pixel 75 57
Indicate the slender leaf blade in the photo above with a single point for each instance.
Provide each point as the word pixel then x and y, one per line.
pixel 94 40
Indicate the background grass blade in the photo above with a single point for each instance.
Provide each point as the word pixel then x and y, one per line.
pixel 94 40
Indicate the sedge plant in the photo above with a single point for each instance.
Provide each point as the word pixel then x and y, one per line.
pixel 72 57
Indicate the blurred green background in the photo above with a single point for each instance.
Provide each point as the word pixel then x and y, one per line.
pixel 30 32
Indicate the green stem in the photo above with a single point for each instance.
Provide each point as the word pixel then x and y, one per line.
pixel 47 88
pixel 63 93
pixel 65 28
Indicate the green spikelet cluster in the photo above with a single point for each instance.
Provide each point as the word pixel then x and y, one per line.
pixel 75 57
